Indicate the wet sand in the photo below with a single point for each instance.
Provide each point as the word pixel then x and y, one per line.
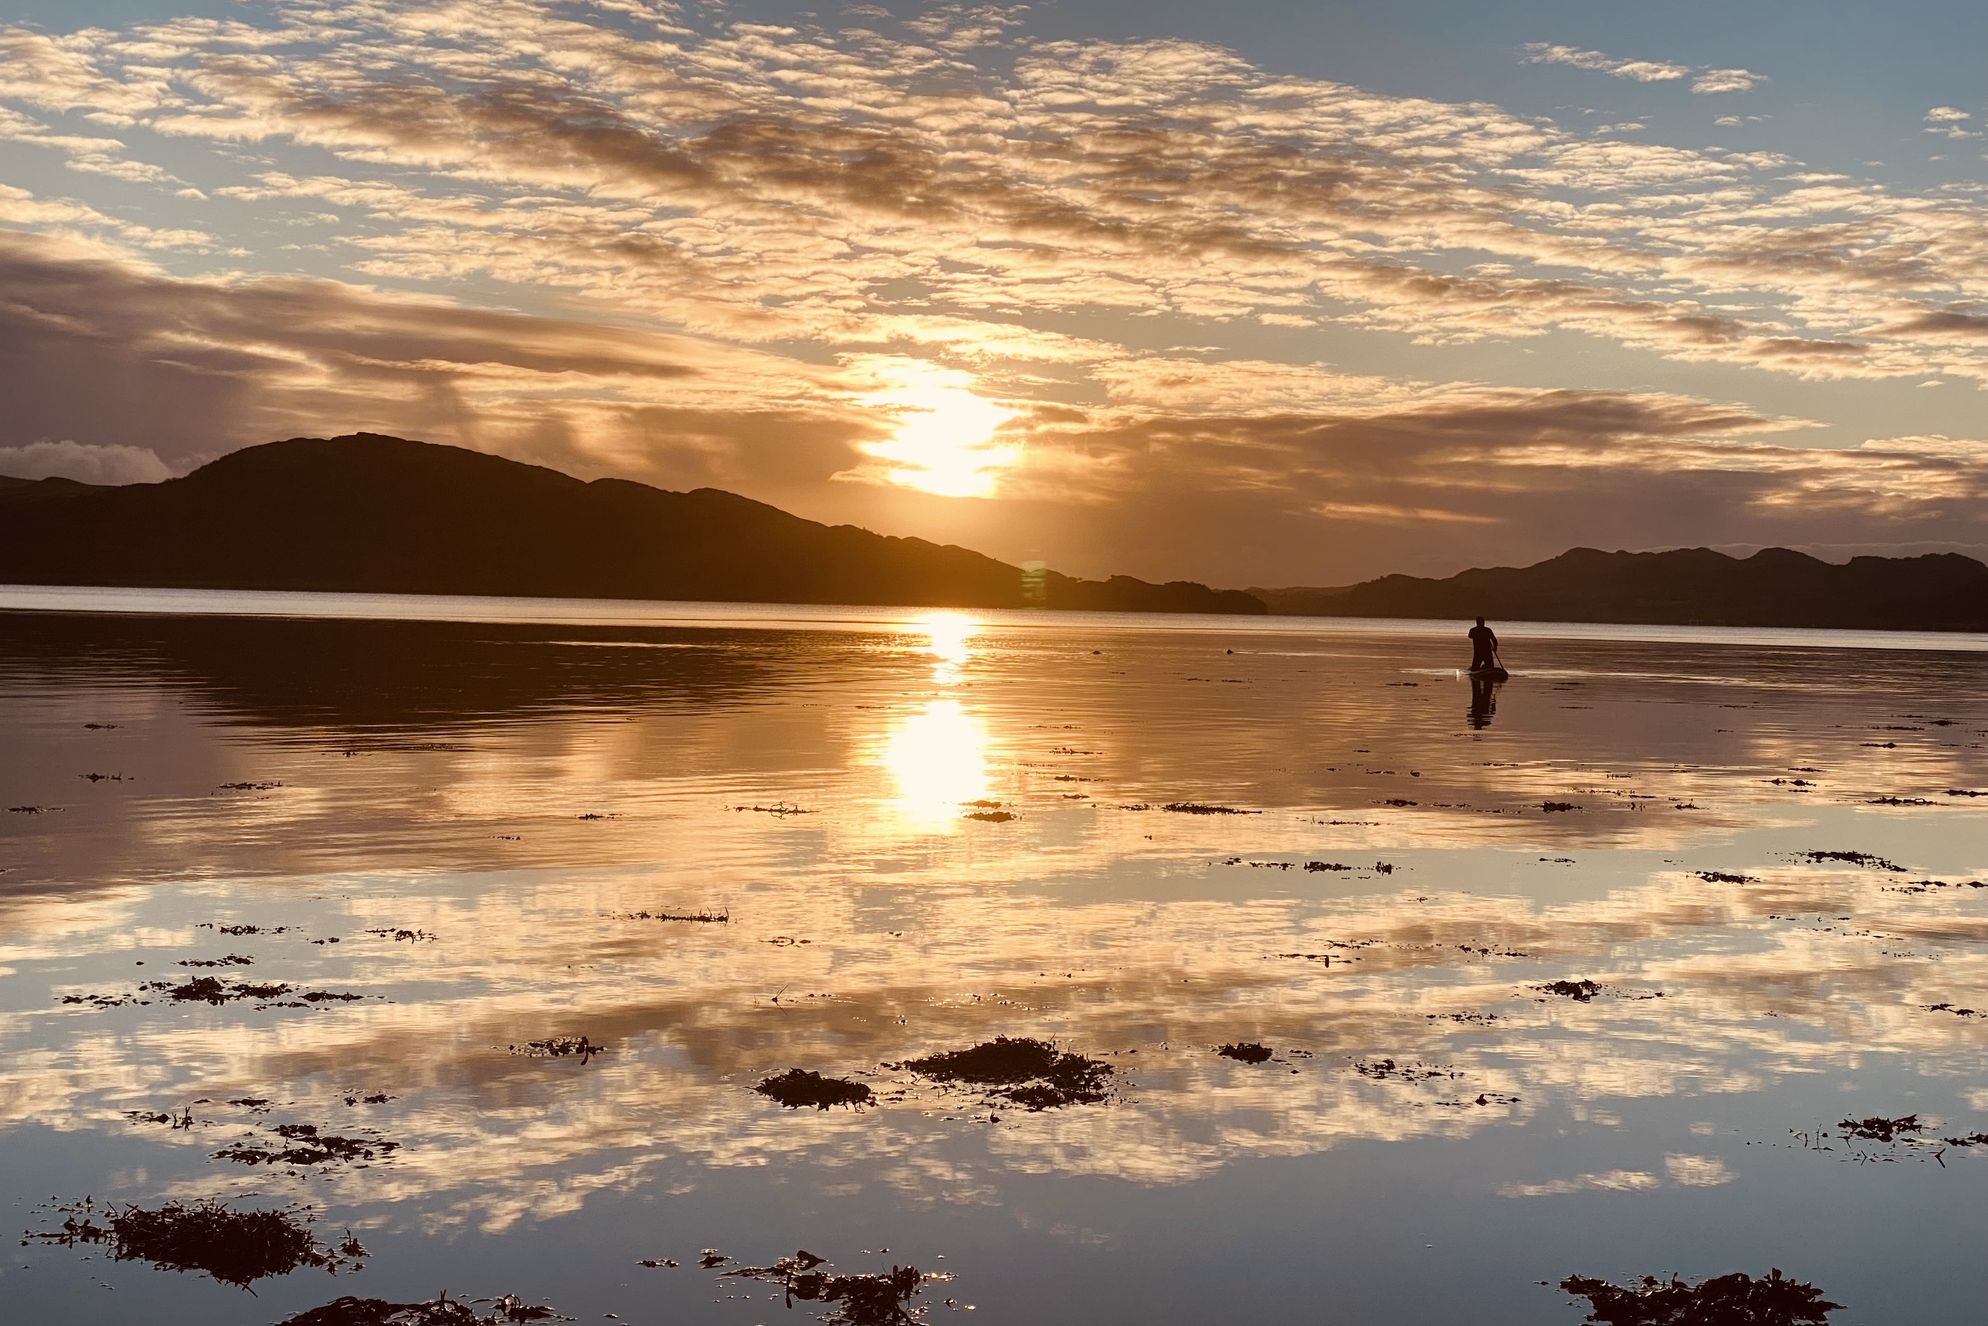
pixel 1331 987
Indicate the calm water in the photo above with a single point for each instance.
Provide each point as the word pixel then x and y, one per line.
pixel 515 779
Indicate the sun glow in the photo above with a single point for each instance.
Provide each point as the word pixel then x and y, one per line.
pixel 943 439
pixel 949 642
pixel 936 758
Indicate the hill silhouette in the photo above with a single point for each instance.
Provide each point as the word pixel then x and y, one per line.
pixel 1683 587
pixel 376 514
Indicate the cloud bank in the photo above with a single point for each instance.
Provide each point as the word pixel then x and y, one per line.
pixel 651 240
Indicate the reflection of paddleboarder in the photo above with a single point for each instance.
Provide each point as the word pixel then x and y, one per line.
pixel 1484 652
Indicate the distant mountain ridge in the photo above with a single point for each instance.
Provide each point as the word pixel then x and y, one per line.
pixel 1683 587
pixel 367 513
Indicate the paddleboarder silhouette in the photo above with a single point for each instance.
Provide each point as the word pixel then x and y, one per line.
pixel 1484 653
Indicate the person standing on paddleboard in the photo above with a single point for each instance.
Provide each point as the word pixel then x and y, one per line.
pixel 1483 647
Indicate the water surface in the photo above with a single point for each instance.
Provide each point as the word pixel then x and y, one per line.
pixel 509 782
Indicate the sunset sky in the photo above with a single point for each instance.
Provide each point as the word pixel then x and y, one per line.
pixel 1252 293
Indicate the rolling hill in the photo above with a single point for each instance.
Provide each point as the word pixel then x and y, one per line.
pixel 377 514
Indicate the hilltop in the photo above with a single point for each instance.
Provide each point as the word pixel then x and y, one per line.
pixel 377 514
pixel 1682 587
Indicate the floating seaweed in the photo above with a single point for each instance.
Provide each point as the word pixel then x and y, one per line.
pixel 798 1088
pixel 876 1299
pixel 1865 859
pixel 235 1247
pixel 1880 1129
pixel 558 1047
pixel 1727 1300
pixel 213 990
pixel 308 1146
pixel 1030 1073
pixel 442 1311
pixel 1248 1052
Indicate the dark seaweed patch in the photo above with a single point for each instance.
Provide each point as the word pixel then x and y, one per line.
pixel 876 1299
pixel 1957 1012
pixel 443 1311
pixel 797 1088
pixel 306 1145
pixel 1877 1128
pixel 213 990
pixel 558 1047
pixel 1031 1073
pixel 235 1247
pixel 1248 1052
pixel 1199 808
pixel 1728 1300
pixel 1382 1070
pixel 1865 859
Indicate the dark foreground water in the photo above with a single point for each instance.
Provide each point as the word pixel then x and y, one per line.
pixel 477 812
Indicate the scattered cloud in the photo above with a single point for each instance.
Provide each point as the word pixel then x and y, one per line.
pixel 1715 81
pixel 82 461
pixel 1706 82
pixel 1643 71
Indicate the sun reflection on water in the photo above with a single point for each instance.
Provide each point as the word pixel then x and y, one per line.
pixel 949 641
pixel 937 761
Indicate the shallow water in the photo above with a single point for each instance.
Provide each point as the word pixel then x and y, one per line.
pixel 511 790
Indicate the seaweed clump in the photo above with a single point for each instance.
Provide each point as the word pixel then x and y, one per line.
pixel 213 990
pixel 876 1299
pixel 308 1146
pixel 1248 1052
pixel 235 1247
pixel 1727 1300
pixel 1027 1072
pixel 1581 991
pixel 558 1047
pixel 1877 1128
pixel 442 1311
pixel 798 1088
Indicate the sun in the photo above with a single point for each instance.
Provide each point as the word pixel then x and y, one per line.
pixel 942 441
